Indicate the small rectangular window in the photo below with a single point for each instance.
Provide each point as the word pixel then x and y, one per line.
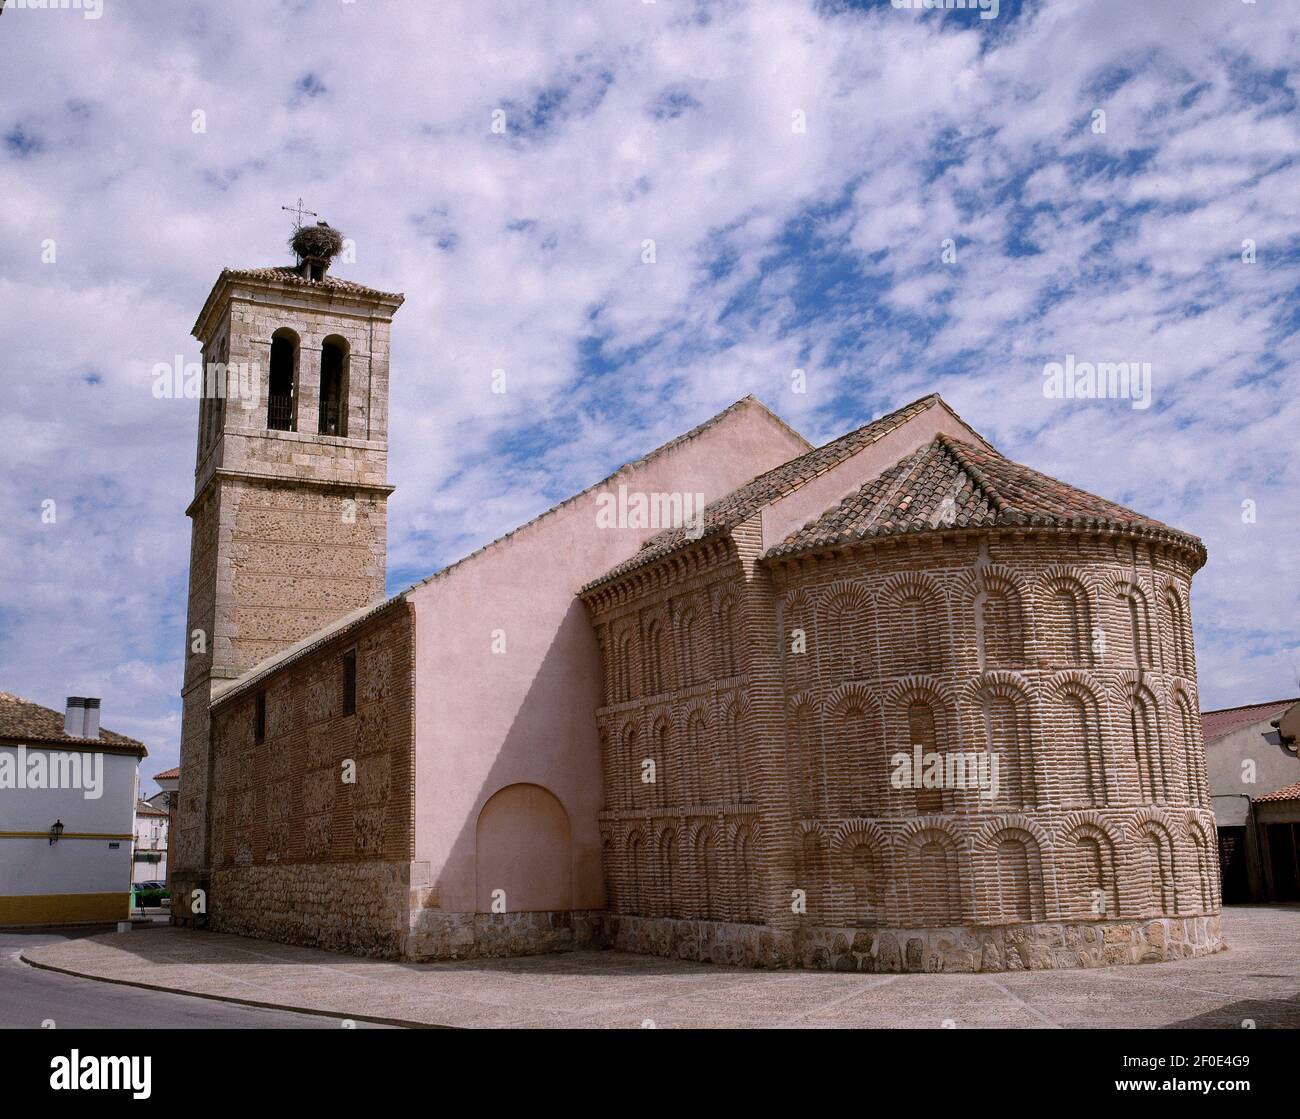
pixel 350 682
pixel 259 718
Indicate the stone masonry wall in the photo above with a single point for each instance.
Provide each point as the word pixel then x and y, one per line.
pixel 358 907
pixel 312 828
pixel 961 948
pixel 439 935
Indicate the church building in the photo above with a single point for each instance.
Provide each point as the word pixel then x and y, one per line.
pixel 891 703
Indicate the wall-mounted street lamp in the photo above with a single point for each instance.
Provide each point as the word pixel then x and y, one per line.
pixel 56 830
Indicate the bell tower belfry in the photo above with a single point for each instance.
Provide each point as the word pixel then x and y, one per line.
pixel 289 516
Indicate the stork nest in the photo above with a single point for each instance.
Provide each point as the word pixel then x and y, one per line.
pixel 320 241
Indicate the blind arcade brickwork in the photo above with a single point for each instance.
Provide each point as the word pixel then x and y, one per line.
pixel 1097 847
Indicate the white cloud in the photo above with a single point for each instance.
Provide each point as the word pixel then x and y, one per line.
pixel 632 122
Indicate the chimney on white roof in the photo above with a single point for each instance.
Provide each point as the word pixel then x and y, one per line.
pixel 91 729
pixel 74 717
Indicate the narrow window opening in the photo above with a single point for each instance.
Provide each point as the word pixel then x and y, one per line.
pixel 333 394
pixel 280 389
pixel 259 718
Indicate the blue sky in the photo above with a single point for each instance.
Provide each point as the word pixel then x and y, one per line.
pixel 798 167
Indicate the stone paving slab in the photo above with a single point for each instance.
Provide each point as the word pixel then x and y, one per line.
pixel 1257 978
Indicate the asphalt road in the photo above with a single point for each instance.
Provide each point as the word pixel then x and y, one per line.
pixel 30 996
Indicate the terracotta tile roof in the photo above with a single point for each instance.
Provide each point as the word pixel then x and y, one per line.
pixel 168 774
pixel 1216 724
pixel 144 808
pixel 1287 792
pixel 289 275
pixel 985 490
pixel 24 721
pixel 741 503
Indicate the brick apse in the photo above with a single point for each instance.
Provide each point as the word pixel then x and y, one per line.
pixel 697 740
pixel 772 689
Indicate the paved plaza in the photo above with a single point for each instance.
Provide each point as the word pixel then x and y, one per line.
pixel 1256 980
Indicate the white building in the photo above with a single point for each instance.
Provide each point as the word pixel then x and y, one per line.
pixel 150 858
pixel 168 781
pixel 67 807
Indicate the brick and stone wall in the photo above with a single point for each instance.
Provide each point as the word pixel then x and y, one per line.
pixel 189 836
pixel 294 558
pixel 289 527
pixel 271 563
pixel 312 828
pixel 1066 658
pixel 680 810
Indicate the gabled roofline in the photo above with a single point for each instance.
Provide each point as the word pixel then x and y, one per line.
pixel 120 745
pixel 109 741
pixel 313 641
pixel 749 401
pixel 1250 706
pixel 956 416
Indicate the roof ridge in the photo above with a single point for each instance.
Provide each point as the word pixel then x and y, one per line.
pixel 16 707
pixel 838 439
pixel 338 626
pixel 910 463
pixel 977 476
pixel 290 274
pixel 761 490
pixel 991 491
pixel 1284 793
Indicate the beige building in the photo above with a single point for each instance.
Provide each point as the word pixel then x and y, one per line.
pixel 890 703
pixel 1254 774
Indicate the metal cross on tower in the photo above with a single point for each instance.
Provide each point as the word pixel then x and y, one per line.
pixel 299 211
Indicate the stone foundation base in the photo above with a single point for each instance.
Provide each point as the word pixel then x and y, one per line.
pixel 184 884
pixel 362 908
pixel 356 907
pixel 438 935
pixel 992 948
pixel 718 942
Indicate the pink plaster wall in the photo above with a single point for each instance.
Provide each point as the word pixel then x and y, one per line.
pixel 485 721
pixel 524 849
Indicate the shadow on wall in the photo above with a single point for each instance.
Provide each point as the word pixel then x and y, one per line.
pixel 527 840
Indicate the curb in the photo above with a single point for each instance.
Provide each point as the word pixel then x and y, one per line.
pixel 401 1023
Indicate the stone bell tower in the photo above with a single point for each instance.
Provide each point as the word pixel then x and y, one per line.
pixel 289 519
